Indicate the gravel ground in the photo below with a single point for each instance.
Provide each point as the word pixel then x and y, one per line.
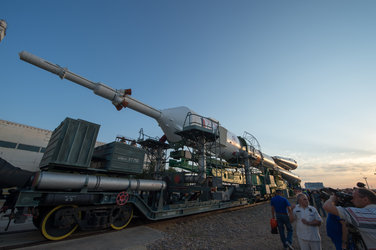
pixel 247 228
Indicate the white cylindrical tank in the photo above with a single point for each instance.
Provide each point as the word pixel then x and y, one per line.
pixel 47 180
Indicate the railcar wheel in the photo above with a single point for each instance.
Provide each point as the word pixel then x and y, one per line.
pixel 59 223
pixel 121 216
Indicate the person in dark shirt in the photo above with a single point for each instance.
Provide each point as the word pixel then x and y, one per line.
pixel 308 193
pixel 281 209
pixel 318 204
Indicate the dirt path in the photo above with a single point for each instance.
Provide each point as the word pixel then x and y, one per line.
pixel 247 228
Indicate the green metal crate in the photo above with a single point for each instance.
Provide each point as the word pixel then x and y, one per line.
pixel 120 157
pixel 71 144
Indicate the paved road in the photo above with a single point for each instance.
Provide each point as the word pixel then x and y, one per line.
pixel 129 238
pixel 132 238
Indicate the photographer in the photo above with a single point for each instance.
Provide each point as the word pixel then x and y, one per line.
pixel 362 216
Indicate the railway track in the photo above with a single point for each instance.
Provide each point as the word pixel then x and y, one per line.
pixel 32 237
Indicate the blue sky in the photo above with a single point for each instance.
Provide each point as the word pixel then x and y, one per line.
pixel 298 75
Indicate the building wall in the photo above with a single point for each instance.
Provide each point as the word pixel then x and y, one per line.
pixel 314 185
pixel 22 145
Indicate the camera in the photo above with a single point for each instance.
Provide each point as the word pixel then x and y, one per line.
pixel 343 199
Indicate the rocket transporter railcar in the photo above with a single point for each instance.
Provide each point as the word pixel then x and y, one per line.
pixel 82 187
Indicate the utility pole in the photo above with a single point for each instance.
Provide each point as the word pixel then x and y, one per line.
pixel 365 178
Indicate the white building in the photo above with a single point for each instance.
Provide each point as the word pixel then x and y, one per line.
pixel 314 185
pixel 21 145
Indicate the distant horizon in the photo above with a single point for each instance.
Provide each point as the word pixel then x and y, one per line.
pixel 354 186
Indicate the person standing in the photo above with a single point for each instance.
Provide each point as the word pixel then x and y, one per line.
pixel 281 209
pixel 308 222
pixel 318 204
pixel 336 230
pixel 308 193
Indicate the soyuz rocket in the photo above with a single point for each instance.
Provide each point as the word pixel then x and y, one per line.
pixel 172 120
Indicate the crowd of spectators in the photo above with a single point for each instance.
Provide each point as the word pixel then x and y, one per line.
pixel 350 225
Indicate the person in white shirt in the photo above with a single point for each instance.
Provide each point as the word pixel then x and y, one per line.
pixel 308 222
pixel 362 216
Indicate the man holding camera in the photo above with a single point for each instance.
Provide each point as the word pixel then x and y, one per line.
pixel 362 216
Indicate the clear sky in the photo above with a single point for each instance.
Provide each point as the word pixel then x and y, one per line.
pixel 298 75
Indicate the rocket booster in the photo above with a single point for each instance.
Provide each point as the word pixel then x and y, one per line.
pixel 170 120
